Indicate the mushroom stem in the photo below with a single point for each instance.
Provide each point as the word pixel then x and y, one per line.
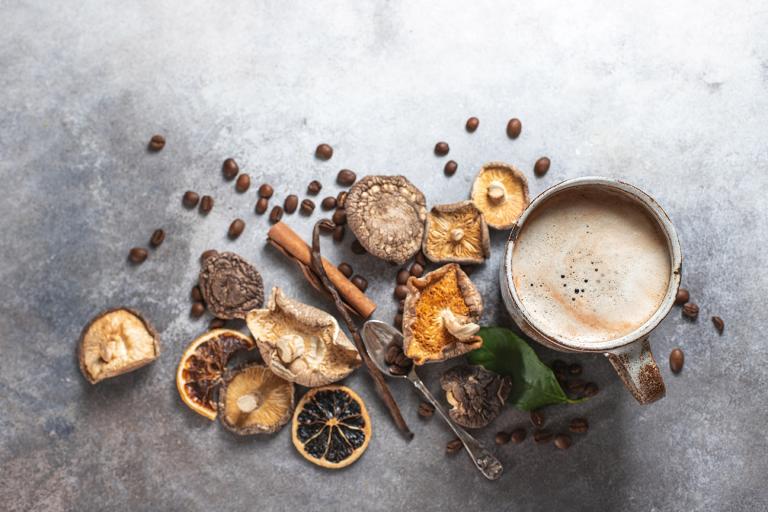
pixel 248 402
pixel 496 191
pixel 457 234
pixel 463 332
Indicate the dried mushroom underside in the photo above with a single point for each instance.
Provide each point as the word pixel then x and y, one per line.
pixel 300 343
pixel 456 233
pixel 440 316
pixel 500 191
pixel 475 394
pixel 231 286
pixel 386 214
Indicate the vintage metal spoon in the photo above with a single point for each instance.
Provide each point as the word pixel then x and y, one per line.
pixel 376 336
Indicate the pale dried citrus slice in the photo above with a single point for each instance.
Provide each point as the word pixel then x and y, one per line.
pixel 331 427
pixel 201 367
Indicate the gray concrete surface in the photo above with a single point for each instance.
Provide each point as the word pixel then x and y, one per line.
pixel 672 97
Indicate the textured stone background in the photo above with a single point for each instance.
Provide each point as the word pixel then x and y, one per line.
pixel 673 98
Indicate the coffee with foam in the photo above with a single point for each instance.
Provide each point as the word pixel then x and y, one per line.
pixel 590 265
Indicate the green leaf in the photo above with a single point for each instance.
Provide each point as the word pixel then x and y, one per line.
pixel 533 383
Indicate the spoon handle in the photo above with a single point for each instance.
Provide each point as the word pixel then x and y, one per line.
pixel 488 465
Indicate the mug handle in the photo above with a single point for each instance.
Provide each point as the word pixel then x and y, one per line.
pixel 638 370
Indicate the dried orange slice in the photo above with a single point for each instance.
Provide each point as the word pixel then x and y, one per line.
pixel 202 365
pixel 331 427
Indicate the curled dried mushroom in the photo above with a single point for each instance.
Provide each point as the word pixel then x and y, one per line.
pixel 475 394
pixel 231 286
pixel 500 191
pixel 386 214
pixel 440 316
pixel 253 400
pixel 300 343
pixel 456 233
pixel 116 341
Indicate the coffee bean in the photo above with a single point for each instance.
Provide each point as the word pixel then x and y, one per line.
pixel 517 436
pixel 307 207
pixel 396 370
pixel 514 127
pixel 338 233
pixel 391 353
pixel 345 178
pixel 591 389
pixel 291 203
pixel 360 282
pixel 266 190
pixel 402 276
pixel 442 149
pixel 682 296
pixel 718 323
pixel 276 214
pixel 542 436
pixel 339 217
pixel 208 254
pixel 345 268
pixel 537 418
pixel 417 270
pixel 398 320
pixel 157 238
pixel 502 437
pixel 450 168
pixel 690 310
pixel 563 441
pixel 574 369
pixel 401 306
pixel 137 255
pixel 197 310
pixel 402 360
pixel 206 204
pixel 472 124
pixel 314 187
pixel 261 205
pixel 676 360
pixel 579 425
pixel 341 199
pixel 243 183
pixel 216 323
pixel 230 169
pixel 197 295
pixel 190 199
pixel 157 143
pixel 453 446
pixel 326 226
pixel 541 166
pixel 420 259
pixel 324 152
pixel 575 385
pixel 236 228
pixel 328 203
pixel 401 291
pixel 426 410
pixel 357 247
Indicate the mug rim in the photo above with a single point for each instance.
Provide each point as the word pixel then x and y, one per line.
pixel 674 250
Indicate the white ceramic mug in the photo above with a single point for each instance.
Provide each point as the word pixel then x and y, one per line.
pixel 630 354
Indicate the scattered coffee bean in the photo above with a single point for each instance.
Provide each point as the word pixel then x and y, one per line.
pixel 398 320
pixel 541 166
pixel 230 169
pixel 326 226
pixel 197 295
pixel 157 143
pixel 401 306
pixel 426 410
pixel 417 270
pixel 391 353
pixel 401 291
pixel 420 259
pixel 575 386
pixel 266 190
pixel 137 255
pixel 578 425
pixel 537 418
pixel 341 199
pixel 243 183
pixel 346 178
pixel 206 204
pixel 216 323
pixel 357 247
pixel 345 268
pixel 276 214
pixel 197 310
pixel 453 446
pixel 360 282
pixel 676 360
pixel 307 207
pixel 502 437
pixel 324 152
pixel 396 370
pixel 542 436
pixel 338 233
pixel 472 124
pixel 261 205
pixel 190 199
pixel 442 149
pixel 691 310
pixel 682 296
pixel 402 360
pixel 574 369
pixel 208 254
pixel 450 168
pixel 718 323
pixel 514 127
pixel 157 238
pixel 563 441
pixel 517 436
pixel 591 389
pixel 339 217
pixel 291 203
pixel 402 276
pixel 314 187
pixel 236 228
pixel 328 203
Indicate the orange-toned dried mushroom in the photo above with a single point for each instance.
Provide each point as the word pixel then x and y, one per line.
pixel 456 233
pixel 500 191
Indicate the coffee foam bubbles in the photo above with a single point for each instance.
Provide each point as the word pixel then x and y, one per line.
pixel 590 266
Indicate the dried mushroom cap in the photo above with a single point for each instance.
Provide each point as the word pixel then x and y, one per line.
pixel 253 400
pixel 231 286
pixel 440 316
pixel 456 233
pixel 386 214
pixel 475 394
pixel 500 191
pixel 300 343
pixel 116 341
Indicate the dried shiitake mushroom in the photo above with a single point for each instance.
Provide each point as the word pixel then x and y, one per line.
pixel 475 394
pixel 231 286
pixel 300 343
pixel 456 233
pixel 440 316
pixel 253 400
pixel 500 191
pixel 116 341
pixel 386 214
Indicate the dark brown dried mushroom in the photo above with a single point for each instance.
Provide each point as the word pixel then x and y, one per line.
pixel 500 191
pixel 386 214
pixel 456 233
pixel 231 286
pixel 475 394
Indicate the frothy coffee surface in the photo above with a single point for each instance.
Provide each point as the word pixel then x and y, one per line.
pixel 590 266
